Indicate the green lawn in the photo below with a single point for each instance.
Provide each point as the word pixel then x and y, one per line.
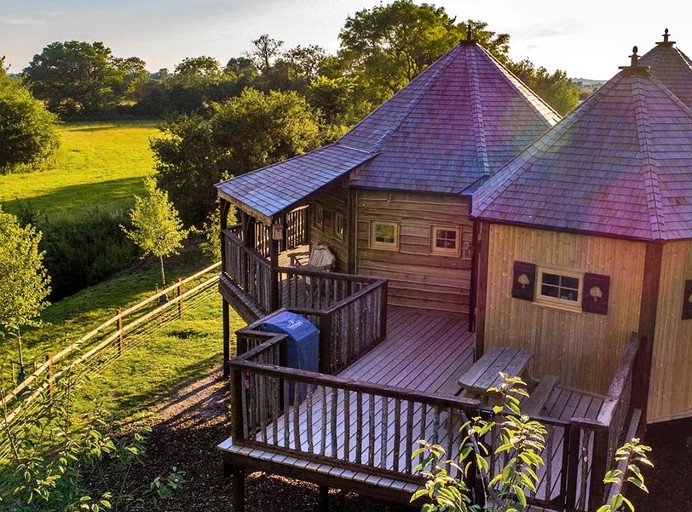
pixel 98 164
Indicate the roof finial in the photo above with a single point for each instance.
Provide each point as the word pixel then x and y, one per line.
pixel 665 36
pixel 666 39
pixel 469 35
pixel 635 58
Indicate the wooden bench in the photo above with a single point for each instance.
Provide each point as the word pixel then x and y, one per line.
pixel 535 403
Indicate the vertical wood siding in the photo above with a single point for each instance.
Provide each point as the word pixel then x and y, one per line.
pixel 670 395
pixel 418 280
pixel 583 349
pixel 332 201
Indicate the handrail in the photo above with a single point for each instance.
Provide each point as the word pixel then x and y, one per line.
pixel 42 368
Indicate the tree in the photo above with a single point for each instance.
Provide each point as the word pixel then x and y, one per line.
pixel 24 283
pixel 388 45
pixel 556 89
pixel 305 61
pixel 198 72
pixel 265 52
pixel 28 132
pixel 156 227
pixel 244 133
pixel 74 77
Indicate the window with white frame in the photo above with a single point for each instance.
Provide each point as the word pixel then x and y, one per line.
pixel 445 240
pixel 384 235
pixel 560 288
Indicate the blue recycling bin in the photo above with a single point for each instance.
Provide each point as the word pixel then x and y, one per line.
pixel 302 345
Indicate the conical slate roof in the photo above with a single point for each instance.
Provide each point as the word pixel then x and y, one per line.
pixel 619 165
pixel 455 123
pixel 671 67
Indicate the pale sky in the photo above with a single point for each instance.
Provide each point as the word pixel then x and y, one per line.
pixel 587 38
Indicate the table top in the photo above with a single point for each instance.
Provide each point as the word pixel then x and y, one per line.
pixel 485 372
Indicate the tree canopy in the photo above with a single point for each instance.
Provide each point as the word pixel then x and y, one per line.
pixel 28 132
pixel 24 283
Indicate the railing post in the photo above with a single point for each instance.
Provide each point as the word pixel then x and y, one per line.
pixel 599 466
pixel 383 311
pixel 570 466
pixel 49 361
pixel 180 297
pixel 274 299
pixel 325 344
pixel 121 341
pixel 226 337
pixel 236 404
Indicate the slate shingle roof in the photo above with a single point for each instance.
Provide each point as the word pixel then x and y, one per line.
pixel 456 122
pixel 282 186
pixel 620 165
pixel 671 67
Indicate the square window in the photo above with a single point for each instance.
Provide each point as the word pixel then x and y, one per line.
pixel 319 216
pixel 560 288
pixel 445 240
pixel 384 235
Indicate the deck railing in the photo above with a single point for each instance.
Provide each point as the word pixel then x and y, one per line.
pixel 326 418
pixel 249 270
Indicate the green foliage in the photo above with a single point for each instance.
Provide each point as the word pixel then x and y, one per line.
pixel 634 455
pixel 28 132
pixel 75 77
pixel 24 282
pixel 245 133
pixel 386 46
pixel 62 461
pixel 156 227
pixel 556 89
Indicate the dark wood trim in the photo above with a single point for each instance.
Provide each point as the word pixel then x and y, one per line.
pixel 647 326
pixel 474 274
pixel 352 233
pixel 482 290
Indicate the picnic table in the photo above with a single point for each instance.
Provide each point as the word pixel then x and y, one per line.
pixel 485 372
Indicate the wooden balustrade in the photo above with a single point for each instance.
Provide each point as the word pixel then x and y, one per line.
pixel 249 270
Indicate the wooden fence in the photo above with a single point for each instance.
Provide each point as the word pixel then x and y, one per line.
pixel 88 355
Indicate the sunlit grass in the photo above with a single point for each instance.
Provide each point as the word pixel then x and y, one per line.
pixel 98 165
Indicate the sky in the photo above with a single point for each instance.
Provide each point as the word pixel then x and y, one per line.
pixel 586 38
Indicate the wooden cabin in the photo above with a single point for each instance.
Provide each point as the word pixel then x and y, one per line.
pixel 391 200
pixel 587 237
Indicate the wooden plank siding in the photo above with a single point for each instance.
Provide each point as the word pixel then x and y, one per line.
pixel 418 280
pixel 670 396
pixel 582 349
pixel 332 201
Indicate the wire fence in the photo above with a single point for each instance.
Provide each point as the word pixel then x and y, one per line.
pixel 88 356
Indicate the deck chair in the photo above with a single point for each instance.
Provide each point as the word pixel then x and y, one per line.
pixel 321 259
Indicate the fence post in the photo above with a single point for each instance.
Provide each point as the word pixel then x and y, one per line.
pixel 180 297
pixel 49 361
pixel 121 341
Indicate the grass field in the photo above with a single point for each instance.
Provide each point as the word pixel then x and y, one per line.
pixel 98 164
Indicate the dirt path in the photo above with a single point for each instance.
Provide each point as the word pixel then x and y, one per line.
pixel 185 435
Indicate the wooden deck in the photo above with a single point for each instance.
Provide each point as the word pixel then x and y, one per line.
pixel 360 440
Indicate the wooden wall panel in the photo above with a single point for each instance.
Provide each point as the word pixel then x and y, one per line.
pixel 583 349
pixel 418 280
pixel 670 395
pixel 332 201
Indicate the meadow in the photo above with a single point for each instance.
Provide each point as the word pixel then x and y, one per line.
pixel 97 165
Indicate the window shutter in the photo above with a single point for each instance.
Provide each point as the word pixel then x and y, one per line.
pixel 687 301
pixel 595 294
pixel 524 282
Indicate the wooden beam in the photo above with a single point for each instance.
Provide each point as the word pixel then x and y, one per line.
pixel 351 232
pixel 647 326
pixel 482 287
pixel 474 275
pixel 226 337
pixel 324 499
pixel 274 299
pixel 238 490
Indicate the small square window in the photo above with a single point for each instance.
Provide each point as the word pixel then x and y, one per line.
pixel 445 240
pixel 384 235
pixel 338 225
pixel 318 219
pixel 560 288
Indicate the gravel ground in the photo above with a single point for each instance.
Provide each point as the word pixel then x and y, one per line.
pixel 188 428
pixel 185 434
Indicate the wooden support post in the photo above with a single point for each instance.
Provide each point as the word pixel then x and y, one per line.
pixel 481 289
pixel 351 233
pixel 570 466
pixel 237 404
pixel 180 297
pixel 49 361
pixel 474 276
pixel 274 299
pixel 238 490
pixel 325 350
pixel 599 466
pixel 323 501
pixel 226 337
pixel 383 311
pixel 121 341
